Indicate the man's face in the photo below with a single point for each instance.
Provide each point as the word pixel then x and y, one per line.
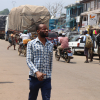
pixel 43 32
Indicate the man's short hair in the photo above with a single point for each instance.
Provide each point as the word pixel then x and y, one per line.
pixel 38 26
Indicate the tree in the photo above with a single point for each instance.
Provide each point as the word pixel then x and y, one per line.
pixel 4 12
pixel 55 8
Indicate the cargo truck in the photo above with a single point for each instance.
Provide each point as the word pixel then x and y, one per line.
pixel 26 17
pixel 2 25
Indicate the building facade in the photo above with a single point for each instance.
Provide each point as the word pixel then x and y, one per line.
pixel 72 12
pixel 91 15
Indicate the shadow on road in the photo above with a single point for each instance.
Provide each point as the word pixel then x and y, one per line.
pixel 66 62
pixel 73 63
pixel 5 82
pixel 96 63
pixel 96 58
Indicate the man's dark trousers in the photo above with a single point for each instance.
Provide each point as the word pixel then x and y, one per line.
pixel 45 86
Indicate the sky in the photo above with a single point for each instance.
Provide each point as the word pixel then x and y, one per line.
pixel 15 3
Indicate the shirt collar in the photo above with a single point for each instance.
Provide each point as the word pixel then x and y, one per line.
pixel 47 42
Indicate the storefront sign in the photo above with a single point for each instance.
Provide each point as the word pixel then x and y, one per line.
pixel 92 19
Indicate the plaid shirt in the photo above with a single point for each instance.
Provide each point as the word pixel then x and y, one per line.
pixel 39 57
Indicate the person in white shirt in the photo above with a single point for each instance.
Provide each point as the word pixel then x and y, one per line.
pixel 30 35
pixel 20 33
pixel 24 36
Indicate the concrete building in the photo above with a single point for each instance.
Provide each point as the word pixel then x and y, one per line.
pixel 72 12
pixel 91 14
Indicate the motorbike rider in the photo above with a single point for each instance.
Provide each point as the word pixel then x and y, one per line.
pixel 64 43
pixel 24 36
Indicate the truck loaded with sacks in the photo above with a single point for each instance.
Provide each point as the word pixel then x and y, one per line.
pixel 26 17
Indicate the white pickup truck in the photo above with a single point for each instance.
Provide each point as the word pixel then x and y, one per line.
pixel 77 44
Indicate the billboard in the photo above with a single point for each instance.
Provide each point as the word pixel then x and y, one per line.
pixel 92 19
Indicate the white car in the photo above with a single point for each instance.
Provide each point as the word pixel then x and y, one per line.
pixel 77 44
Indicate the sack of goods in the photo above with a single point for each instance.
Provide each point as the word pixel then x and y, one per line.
pixel 26 41
pixel 89 43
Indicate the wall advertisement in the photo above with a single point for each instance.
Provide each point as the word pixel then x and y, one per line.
pixel 92 19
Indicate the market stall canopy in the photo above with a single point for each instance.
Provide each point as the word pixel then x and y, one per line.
pixel 27 17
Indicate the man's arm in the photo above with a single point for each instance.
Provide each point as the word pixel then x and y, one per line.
pixel 30 58
pixel 84 38
pixel 51 58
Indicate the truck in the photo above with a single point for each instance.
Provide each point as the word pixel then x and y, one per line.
pixel 26 17
pixel 2 25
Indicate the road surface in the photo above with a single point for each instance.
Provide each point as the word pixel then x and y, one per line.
pixel 70 81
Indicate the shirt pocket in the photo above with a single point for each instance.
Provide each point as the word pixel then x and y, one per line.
pixel 37 51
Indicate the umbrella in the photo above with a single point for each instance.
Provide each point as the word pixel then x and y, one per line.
pixel 94 32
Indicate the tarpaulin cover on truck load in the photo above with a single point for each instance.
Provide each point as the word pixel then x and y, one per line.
pixel 27 17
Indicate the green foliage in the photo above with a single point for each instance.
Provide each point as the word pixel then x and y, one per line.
pixel 4 12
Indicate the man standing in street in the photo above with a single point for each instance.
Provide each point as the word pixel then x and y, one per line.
pixel 98 44
pixel 39 61
pixel 86 48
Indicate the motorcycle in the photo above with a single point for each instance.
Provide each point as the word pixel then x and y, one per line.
pixel 66 54
pixel 23 47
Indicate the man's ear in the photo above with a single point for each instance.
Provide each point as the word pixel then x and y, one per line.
pixel 38 31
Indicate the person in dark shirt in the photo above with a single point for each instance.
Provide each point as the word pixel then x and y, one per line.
pixel 98 44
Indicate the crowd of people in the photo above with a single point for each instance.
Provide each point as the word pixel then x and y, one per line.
pixel 94 39
pixel 14 38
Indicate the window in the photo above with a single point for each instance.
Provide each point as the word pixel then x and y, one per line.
pixel 84 18
pixel 92 5
pixel 85 7
pixel 68 12
pixel 98 3
pixel 88 6
pixel 95 4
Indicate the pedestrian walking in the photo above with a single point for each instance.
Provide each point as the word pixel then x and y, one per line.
pixel 12 40
pixel 87 46
pixel 39 61
pixel 93 40
pixel 98 44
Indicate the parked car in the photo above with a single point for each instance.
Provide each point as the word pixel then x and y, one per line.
pixel 77 44
pixel 71 34
pixel 53 37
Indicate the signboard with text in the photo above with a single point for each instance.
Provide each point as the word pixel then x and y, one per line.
pixel 92 19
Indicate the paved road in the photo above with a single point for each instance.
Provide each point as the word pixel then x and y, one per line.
pixel 74 81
